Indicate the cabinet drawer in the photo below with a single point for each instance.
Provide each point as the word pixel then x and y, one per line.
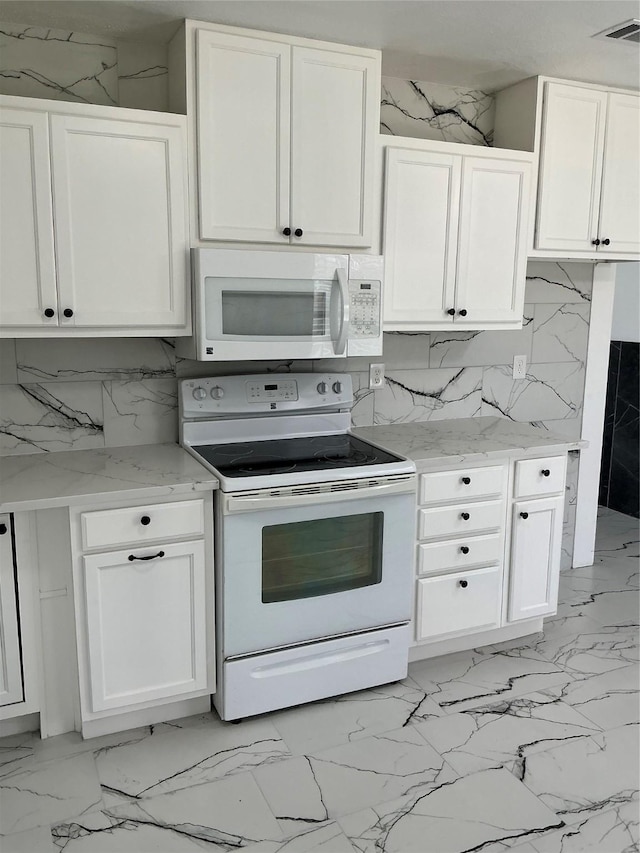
pixel 459 602
pixel 140 524
pixel 461 519
pixel 452 485
pixel 540 476
pixel 438 556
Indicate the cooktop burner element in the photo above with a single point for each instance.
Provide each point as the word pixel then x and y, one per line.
pixel 285 456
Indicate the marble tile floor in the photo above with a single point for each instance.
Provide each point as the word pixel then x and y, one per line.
pixel 529 746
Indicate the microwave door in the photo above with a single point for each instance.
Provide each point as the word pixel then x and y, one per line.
pixel 340 312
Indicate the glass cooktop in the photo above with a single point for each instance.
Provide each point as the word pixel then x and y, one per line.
pixel 288 455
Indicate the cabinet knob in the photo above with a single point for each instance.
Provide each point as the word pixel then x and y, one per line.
pixel 465 480
pixel 524 515
pixel 451 312
pixel 145 520
pixel 49 312
pixel 3 529
pixel 68 312
pixel 465 516
pixel 606 241
pixel 298 232
pixel 286 232
pixel 463 312
pixel 545 472
pixel 463 584
pixel 595 242
pixel 464 549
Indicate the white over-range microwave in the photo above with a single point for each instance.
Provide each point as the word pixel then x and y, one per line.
pixel 252 305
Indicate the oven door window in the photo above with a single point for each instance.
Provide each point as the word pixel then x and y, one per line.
pixel 320 557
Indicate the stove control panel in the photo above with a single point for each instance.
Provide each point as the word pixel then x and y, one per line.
pixel 258 394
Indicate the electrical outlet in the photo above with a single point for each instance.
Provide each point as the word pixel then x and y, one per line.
pixel 376 376
pixel 519 366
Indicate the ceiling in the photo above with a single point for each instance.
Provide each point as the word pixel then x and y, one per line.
pixel 486 44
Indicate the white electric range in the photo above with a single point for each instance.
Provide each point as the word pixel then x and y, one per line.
pixel 315 532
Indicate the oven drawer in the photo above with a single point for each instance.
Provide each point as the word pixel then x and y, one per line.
pixel 459 602
pixel 260 683
pixel 436 557
pixel 135 525
pixel 460 519
pixel 540 476
pixel 471 483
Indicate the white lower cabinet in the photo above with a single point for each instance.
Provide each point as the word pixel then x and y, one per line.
pixel 143 594
pixel 535 557
pixel 470 579
pixel 146 624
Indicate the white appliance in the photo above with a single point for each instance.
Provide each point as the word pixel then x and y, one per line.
pixel 315 533
pixel 251 305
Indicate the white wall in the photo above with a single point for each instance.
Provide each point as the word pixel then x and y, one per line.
pixel 626 306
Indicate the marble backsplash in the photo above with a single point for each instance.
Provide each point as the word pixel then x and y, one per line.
pixel 39 62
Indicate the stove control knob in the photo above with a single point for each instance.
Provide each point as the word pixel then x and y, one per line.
pixel 199 393
pixel 322 387
pixel 217 393
pixel 337 387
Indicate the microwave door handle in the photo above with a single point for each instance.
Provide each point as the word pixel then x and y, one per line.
pixel 340 342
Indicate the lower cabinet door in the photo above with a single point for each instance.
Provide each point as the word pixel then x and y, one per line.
pixel 458 602
pixel 10 662
pixel 146 624
pixel 535 557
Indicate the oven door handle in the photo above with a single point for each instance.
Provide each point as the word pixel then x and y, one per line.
pixel 232 503
pixel 340 343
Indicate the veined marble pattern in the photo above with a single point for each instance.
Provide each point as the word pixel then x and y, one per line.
pixel 549 392
pixel 559 282
pixel 50 417
pixel 433 111
pixel 144 412
pixel 143 76
pixel 82 359
pixel 560 333
pixel 458 349
pixel 364 397
pixel 415 395
pixel 530 745
pixel 38 62
pixel 8 370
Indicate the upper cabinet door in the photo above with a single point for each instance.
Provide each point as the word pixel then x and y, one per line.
pixel 243 137
pixel 120 222
pixel 422 191
pixel 334 124
pixel 492 247
pixel 620 205
pixel 27 269
pixel 570 167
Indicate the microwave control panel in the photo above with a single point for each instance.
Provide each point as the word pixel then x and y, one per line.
pixel 365 309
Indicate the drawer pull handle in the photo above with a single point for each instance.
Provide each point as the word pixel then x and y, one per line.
pixel 463 584
pixel 545 472
pixel 524 515
pixel 132 557
pixel 465 480
pixel 145 520
pixel 465 516
pixel 464 549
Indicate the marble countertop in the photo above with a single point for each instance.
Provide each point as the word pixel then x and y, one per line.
pixel 44 480
pixel 466 440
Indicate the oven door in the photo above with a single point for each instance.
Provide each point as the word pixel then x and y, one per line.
pixel 301 567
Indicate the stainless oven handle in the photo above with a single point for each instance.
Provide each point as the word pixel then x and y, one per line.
pixel 252 504
pixel 341 341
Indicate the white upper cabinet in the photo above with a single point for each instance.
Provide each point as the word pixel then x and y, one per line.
pixel 27 267
pixel 455 229
pixel 587 140
pixel 105 191
pixel 285 131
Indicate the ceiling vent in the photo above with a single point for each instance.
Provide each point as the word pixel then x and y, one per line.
pixel 628 31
